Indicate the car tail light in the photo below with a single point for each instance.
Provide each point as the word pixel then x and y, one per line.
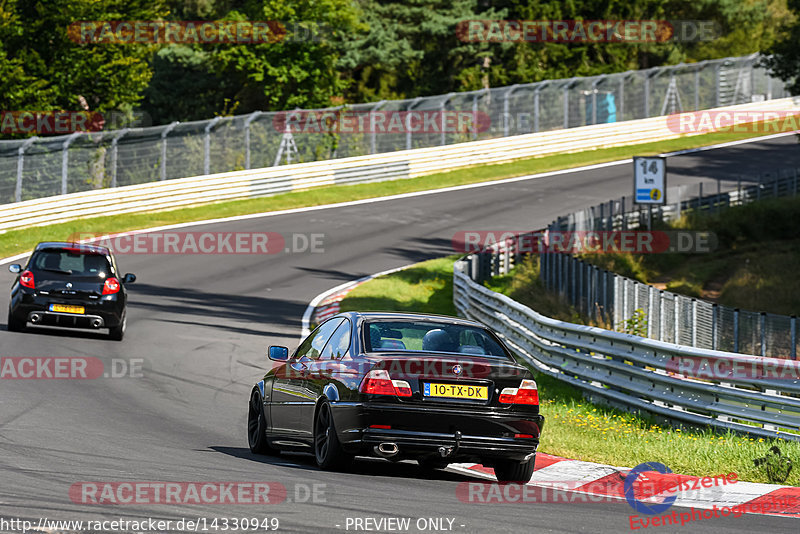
pixel 378 382
pixel 111 286
pixel 26 280
pixel 525 436
pixel 526 393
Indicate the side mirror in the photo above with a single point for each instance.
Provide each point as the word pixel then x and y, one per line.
pixel 15 268
pixel 278 353
pixel 129 278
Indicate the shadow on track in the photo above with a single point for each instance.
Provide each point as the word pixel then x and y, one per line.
pixel 361 466
pixel 63 332
pixel 234 307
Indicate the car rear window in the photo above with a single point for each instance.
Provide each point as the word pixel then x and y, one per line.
pixel 73 262
pixel 431 336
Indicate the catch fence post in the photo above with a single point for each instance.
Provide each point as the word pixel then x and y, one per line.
pixel 65 160
pixel 714 326
pixel 164 135
pixel 20 166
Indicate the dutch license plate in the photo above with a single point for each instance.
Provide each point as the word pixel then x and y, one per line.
pixel 456 391
pixel 63 308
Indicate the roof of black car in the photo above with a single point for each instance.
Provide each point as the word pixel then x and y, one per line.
pixel 412 317
pixel 94 249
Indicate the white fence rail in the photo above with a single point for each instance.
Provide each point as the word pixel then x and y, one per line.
pixel 643 374
pixel 402 164
pixel 39 167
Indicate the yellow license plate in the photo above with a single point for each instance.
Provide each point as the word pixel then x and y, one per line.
pixel 66 309
pixel 456 391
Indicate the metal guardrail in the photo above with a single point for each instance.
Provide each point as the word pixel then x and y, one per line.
pixel 170 194
pixel 633 372
pixel 46 166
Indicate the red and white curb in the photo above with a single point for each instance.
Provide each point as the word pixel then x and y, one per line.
pixel 565 475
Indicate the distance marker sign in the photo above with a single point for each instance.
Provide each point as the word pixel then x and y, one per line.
pixel 649 180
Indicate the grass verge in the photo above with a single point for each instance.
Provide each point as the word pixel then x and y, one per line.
pixel 575 428
pixel 22 240
pixel 753 268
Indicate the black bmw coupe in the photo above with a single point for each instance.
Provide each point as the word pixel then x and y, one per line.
pixel 435 389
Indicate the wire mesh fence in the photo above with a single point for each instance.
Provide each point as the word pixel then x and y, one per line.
pixel 625 304
pixel 40 167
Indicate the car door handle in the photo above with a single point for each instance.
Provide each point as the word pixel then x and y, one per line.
pixel 300 368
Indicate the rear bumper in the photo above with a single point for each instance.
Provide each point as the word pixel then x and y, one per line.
pixel 69 320
pixel 108 311
pixel 419 432
pixel 458 449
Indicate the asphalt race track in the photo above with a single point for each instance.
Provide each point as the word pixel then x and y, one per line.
pixel 201 324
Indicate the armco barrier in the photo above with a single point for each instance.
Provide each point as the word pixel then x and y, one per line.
pixel 635 372
pixel 403 164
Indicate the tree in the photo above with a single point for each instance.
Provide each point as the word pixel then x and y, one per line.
pixel 411 48
pixel 784 54
pixel 43 69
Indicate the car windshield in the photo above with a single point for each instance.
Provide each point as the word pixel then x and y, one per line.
pixel 71 261
pixel 431 336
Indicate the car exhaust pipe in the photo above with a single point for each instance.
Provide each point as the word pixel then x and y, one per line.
pixel 36 318
pixel 97 323
pixel 387 450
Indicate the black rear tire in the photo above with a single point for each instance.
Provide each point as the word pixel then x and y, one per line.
pixel 14 324
pixel 431 464
pixel 511 471
pixel 118 332
pixel 257 426
pixel 327 448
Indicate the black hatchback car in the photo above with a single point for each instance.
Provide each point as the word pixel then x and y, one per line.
pixel 69 285
pixel 435 389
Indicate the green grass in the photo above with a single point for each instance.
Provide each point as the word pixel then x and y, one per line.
pixel 22 240
pixel 753 268
pixel 425 288
pixel 574 427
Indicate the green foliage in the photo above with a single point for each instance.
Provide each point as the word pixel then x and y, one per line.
pixel 362 50
pixel 410 49
pixel 184 86
pixel 785 52
pixel 295 71
pixel 42 69
pixel 636 324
